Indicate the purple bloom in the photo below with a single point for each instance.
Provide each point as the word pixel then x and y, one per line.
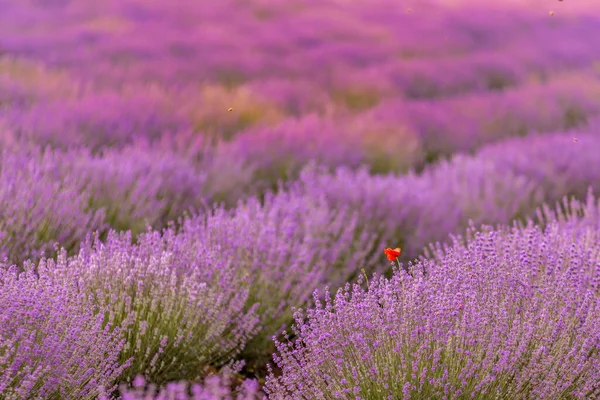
pixel 177 313
pixel 504 181
pixel 283 248
pixel 39 207
pixel 528 325
pixel 137 187
pixel 52 343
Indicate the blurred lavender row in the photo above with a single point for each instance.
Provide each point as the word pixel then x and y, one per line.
pixel 443 80
pixel 138 188
pixel 502 182
pixel 236 41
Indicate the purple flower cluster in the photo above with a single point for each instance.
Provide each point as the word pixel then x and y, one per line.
pixel 511 313
pixel 40 207
pixel 137 186
pixel 192 297
pixel 282 151
pixel 464 123
pixel 177 317
pixel 503 181
pixel 135 41
pixel 438 82
pixel 397 135
pixel 284 248
pixel 65 195
pixel 99 120
pixel 52 343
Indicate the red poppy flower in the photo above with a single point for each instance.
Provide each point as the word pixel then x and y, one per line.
pixel 392 254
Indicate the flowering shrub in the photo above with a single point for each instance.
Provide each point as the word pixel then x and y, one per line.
pixel 177 318
pixel 510 313
pixel 285 247
pixel 65 195
pixel 145 71
pixel 178 125
pixel 500 183
pixel 137 186
pixel 40 206
pixel 397 135
pixel 280 152
pixel 52 344
pixel 140 42
pixel 464 123
pixel 97 120
pixel 558 164
pixel 192 297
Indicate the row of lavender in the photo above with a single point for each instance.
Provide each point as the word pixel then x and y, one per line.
pixel 182 301
pixel 393 135
pixel 141 185
pixel 313 41
pixel 65 195
pixel 151 112
pixel 508 312
pixel 358 86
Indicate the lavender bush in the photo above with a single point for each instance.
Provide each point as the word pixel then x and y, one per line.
pixel 97 120
pixel 40 207
pixel 283 247
pixel 510 313
pixel 137 186
pixel 52 344
pixel 398 135
pixel 151 75
pixel 193 297
pixel 459 124
pixel 65 195
pixel 504 181
pixel 572 213
pixel 282 151
pixel 132 112
pixel 135 41
pixel 177 319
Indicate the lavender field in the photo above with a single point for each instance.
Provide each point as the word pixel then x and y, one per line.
pixel 299 199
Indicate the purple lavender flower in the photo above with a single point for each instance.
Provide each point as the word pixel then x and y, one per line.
pixel 101 120
pixel 464 123
pixel 52 343
pixel 177 317
pixel 56 197
pixel 504 181
pixel 509 313
pixel 137 186
pixel 282 151
pixel 194 296
pixel 284 248
pixel 39 207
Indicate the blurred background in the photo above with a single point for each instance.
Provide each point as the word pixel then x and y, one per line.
pixel 262 87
